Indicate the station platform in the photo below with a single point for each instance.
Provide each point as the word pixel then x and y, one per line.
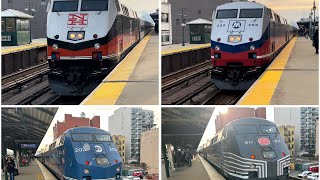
pixel 291 79
pixel 177 48
pixel 35 171
pixel 135 80
pixel 36 43
pixel 200 169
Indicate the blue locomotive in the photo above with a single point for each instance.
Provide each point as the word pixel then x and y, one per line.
pixel 84 153
pixel 249 148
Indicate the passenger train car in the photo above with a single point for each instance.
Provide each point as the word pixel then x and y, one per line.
pixel 83 153
pixel 86 38
pixel 245 38
pixel 249 148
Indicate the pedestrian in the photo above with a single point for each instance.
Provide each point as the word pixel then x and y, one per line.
pixel 316 40
pixel 11 168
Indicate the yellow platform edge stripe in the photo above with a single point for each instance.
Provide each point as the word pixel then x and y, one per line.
pixel 263 89
pixel 165 53
pixel 22 48
pixel 107 93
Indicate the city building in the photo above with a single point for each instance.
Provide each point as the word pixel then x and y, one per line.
pixel 131 122
pixel 289 116
pixel 36 8
pixel 183 11
pixel 287 132
pixel 71 122
pixel 309 119
pixel 119 140
pixel 150 150
pixel 166 29
pixel 236 113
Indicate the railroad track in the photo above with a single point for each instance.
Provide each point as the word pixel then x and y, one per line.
pixel 192 86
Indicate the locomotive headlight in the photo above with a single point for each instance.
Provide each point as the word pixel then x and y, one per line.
pixel 96 45
pixel 102 161
pixel 118 169
pixel 72 36
pixel 252 47
pixel 252 166
pixel 55 46
pixel 238 38
pixel 80 36
pixel 231 39
pixel 86 171
pixel 217 47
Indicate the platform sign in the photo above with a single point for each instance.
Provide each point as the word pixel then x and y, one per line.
pixel 28 146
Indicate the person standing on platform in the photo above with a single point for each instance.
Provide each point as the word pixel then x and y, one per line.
pixel 11 167
pixel 316 40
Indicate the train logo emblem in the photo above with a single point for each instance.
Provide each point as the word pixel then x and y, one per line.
pixel 264 141
pixel 98 148
pixel 236 25
pixel 78 20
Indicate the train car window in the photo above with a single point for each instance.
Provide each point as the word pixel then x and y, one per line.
pixel 82 137
pixel 103 137
pixel 251 13
pixel 65 6
pixel 268 129
pixel 227 14
pixel 94 5
pixel 246 129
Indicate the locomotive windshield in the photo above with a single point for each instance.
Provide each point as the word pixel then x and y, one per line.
pixel 82 137
pixel 251 13
pixel 65 6
pixel 103 137
pixel 246 129
pixel 94 5
pixel 268 129
pixel 227 14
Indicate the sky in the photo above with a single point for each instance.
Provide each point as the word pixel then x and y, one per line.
pixel 292 10
pixel 149 6
pixel 211 128
pixel 103 111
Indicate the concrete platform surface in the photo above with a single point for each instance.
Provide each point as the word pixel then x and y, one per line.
pixel 35 171
pixel 135 80
pixel 291 79
pixel 174 48
pixel 196 172
pixel 34 44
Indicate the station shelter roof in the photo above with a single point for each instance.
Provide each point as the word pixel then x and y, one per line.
pixel 25 125
pixel 199 21
pixel 184 127
pixel 15 14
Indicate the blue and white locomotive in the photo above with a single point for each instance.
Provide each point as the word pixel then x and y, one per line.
pixel 84 153
pixel 249 148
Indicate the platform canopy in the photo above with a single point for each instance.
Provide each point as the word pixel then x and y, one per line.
pixel 15 14
pixel 184 127
pixel 199 21
pixel 25 125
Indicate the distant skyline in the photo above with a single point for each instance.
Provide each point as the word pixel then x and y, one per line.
pixel 104 113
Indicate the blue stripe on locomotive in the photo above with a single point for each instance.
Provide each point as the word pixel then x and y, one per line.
pixel 70 158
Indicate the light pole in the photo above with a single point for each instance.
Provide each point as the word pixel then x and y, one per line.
pixel 314 13
pixel 183 13
pixel 310 28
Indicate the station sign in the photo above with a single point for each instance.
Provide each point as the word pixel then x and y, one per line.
pixel 28 146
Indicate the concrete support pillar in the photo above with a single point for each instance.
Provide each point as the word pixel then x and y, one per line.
pixel 18 158
pixel 170 156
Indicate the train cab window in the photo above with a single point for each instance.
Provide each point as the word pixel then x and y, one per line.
pixel 251 13
pixel 65 6
pixel 268 129
pixel 94 5
pixel 227 14
pixel 246 129
pixel 81 137
pixel 102 137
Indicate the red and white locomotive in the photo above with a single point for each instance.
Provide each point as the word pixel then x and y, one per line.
pixel 86 38
pixel 245 38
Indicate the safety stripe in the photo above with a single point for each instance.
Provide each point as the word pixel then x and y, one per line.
pixel 282 163
pixel 83 57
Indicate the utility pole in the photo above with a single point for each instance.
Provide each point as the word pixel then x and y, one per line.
pixel 183 14
pixel 314 16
